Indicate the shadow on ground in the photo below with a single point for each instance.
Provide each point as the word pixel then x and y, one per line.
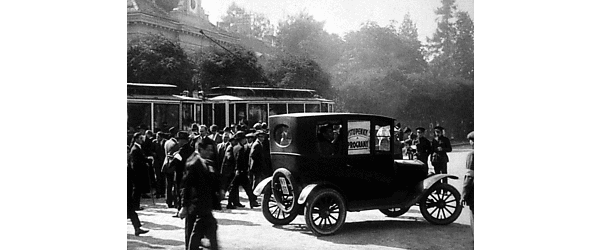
pixel 229 222
pixel 154 226
pixel 406 234
pixel 134 242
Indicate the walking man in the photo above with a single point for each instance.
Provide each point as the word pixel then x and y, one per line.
pixel 423 146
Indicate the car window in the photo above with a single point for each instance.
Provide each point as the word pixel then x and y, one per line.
pixel 359 134
pixel 282 137
pixel 382 139
pixel 328 138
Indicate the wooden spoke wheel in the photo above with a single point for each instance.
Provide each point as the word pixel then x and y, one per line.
pixel 325 212
pixel 441 204
pixel 273 212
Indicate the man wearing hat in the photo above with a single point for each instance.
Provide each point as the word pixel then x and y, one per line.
pixel 259 169
pixel 468 193
pixel 238 158
pixel 440 146
pixel 178 162
pixel 423 146
pixel 158 151
pixel 140 164
pixel 398 141
pixel 408 142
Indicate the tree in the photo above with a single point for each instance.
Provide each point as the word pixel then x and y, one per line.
pixel 219 67
pixel 156 59
pixel 247 23
pixel 294 71
pixel 464 54
pixel 442 46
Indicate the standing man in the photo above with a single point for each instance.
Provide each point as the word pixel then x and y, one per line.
pixel 221 147
pixel 258 164
pixel 423 146
pixel 139 162
pixel 158 150
pixel 214 134
pixel 171 146
pixel 197 191
pixel 468 193
pixel 398 141
pixel 440 146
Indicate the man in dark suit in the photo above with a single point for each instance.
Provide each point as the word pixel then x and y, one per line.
pixel 440 146
pixel 186 149
pixel 258 163
pixel 140 163
pixel 158 150
pixel 131 214
pixel 198 187
pixel 423 146
pixel 238 158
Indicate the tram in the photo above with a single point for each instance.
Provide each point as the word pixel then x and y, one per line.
pixel 159 107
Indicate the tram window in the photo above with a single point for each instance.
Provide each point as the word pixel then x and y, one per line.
pixel 231 114
pixel 188 115
pixel 296 108
pixel 138 114
pixel 257 113
pixel 312 107
pixel 166 116
pixel 220 114
pixel 207 114
pixel 277 109
pixel 324 107
pixel 240 109
pixel 198 113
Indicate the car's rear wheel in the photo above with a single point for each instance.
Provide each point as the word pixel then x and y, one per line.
pixel 325 212
pixel 285 190
pixel 273 212
pixel 394 212
pixel 440 204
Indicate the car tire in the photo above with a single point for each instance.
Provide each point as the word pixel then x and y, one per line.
pixel 394 212
pixel 272 212
pixel 440 205
pixel 325 212
pixel 283 181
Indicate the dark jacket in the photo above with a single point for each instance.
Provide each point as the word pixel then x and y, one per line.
pixel 468 184
pixel 171 147
pixel 221 149
pixel 240 158
pixel 440 156
pixel 199 186
pixel 158 151
pixel 423 149
pixel 258 163
pixel 228 165
pixel 139 163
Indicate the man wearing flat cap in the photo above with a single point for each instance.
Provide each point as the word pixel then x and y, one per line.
pixel 423 146
pixel 440 146
pixel 468 193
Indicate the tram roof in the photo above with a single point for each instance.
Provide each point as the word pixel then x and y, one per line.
pixel 259 98
pixel 262 88
pixel 158 85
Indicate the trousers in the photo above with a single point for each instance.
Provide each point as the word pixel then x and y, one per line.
pixel 198 226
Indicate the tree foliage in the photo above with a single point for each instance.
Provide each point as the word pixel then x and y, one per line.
pixel 156 59
pixel 297 71
pixel 247 23
pixel 219 67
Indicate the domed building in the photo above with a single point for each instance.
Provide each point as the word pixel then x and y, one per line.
pixel 179 20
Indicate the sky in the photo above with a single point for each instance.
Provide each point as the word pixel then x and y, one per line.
pixel 343 16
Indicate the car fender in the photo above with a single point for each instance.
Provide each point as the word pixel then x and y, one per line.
pixel 259 188
pixel 429 181
pixel 305 192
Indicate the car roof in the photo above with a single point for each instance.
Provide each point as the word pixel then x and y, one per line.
pixel 317 114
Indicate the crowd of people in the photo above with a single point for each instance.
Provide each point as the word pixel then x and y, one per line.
pixel 196 169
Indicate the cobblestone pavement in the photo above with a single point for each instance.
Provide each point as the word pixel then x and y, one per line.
pixel 246 228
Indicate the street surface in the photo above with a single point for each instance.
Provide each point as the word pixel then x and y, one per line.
pixel 245 228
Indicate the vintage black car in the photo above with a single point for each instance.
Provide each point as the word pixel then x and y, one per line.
pixel 329 163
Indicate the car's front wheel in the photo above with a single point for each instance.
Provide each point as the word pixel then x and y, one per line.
pixel 440 205
pixel 325 212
